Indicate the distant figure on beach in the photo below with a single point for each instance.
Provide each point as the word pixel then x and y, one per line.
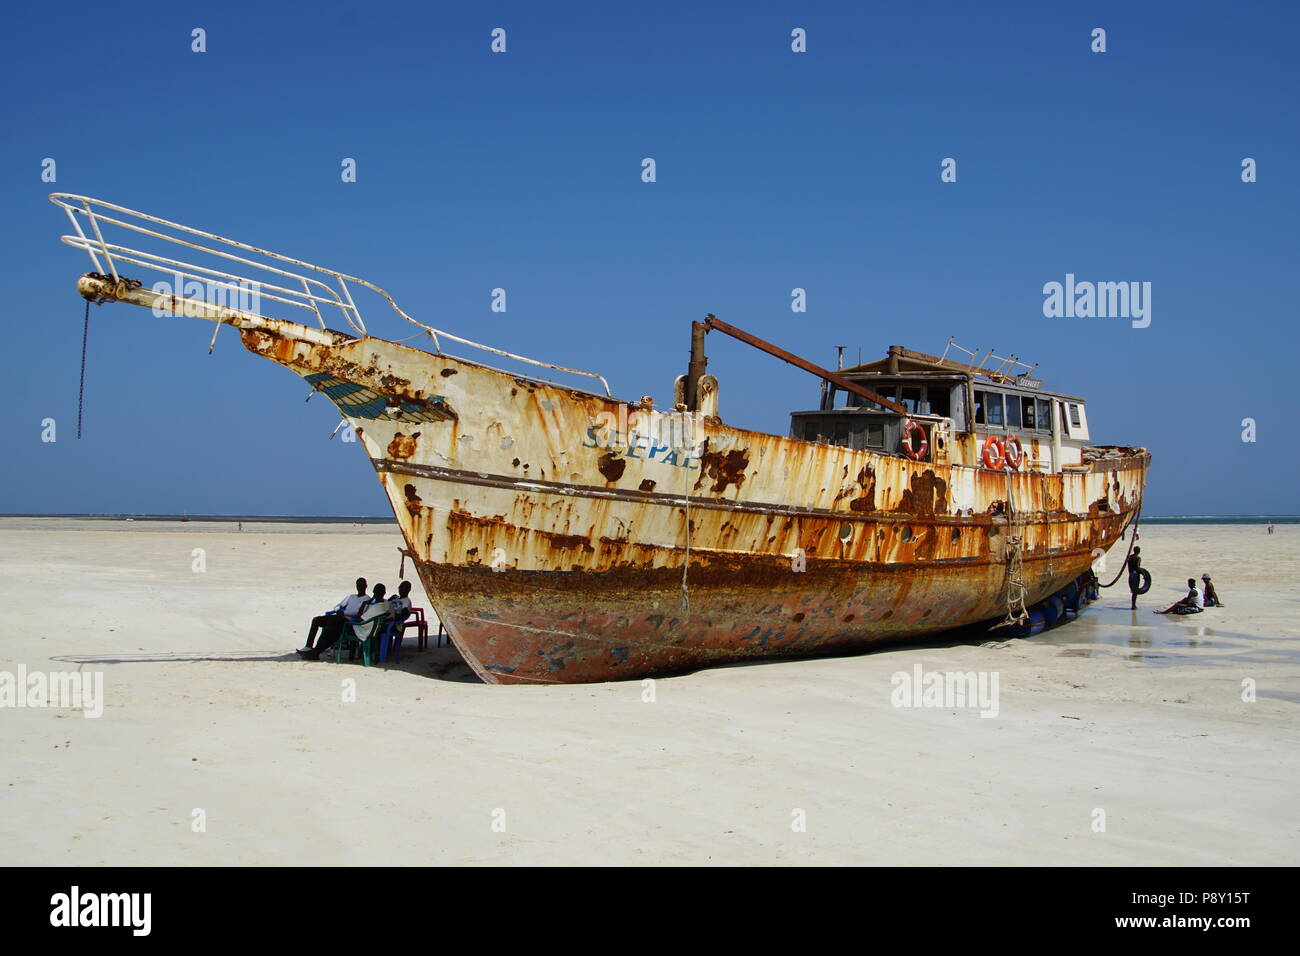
pixel 1270 526
pixel 1192 604
pixel 332 621
pixel 369 610
pixel 1139 579
pixel 1211 595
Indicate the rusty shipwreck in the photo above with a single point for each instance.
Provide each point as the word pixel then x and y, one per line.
pixel 563 535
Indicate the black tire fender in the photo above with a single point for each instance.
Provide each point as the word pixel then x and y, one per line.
pixel 1143 581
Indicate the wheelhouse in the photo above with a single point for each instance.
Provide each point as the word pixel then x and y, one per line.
pixel 957 413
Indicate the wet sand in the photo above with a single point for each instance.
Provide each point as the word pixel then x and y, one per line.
pixel 206 708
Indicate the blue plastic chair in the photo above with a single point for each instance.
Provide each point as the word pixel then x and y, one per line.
pixel 390 640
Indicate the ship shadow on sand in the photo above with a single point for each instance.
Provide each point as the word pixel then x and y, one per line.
pixel 440 663
pixel 445 663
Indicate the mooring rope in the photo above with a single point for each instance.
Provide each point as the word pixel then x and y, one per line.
pixel 1137 520
pixel 1016 587
pixel 686 594
pixel 81 389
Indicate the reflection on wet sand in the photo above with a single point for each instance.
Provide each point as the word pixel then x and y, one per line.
pixel 1142 636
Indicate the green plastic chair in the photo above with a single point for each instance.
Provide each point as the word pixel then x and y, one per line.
pixel 370 630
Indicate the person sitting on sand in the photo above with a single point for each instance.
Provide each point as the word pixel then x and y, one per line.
pixel 332 621
pixel 1211 595
pixel 1192 604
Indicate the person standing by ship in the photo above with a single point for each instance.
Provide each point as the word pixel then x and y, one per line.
pixel 1139 579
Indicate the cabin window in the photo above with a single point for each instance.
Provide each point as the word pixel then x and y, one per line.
pixel 1027 412
pixel 911 395
pixel 1074 416
pixel 979 408
pixel 940 401
pixel 1013 411
pixel 810 431
pixel 1044 415
pixel 875 436
pixel 841 436
pixel 993 408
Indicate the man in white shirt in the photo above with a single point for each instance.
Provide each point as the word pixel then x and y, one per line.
pixel 375 607
pixel 1194 603
pixel 332 621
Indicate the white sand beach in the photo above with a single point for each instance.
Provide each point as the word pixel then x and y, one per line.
pixel 206 708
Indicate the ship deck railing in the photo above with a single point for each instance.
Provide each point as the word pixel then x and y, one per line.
pixel 283 279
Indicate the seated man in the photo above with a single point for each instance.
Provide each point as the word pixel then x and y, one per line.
pixel 332 621
pixel 400 606
pixel 1192 604
pixel 399 609
pixel 1211 595
pixel 373 608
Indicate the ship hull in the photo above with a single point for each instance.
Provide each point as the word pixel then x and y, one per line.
pixel 567 627
pixel 562 537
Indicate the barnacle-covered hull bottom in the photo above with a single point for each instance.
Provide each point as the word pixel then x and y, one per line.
pixel 557 547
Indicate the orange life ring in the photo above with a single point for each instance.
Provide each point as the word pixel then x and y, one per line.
pixel 910 428
pixel 1019 457
pixel 993 461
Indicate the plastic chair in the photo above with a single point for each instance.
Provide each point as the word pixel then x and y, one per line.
pixel 362 633
pixel 390 640
pixel 416 620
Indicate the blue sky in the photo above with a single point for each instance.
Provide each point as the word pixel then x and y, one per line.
pixel 775 170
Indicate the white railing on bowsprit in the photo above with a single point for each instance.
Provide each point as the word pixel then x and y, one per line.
pixel 235 271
